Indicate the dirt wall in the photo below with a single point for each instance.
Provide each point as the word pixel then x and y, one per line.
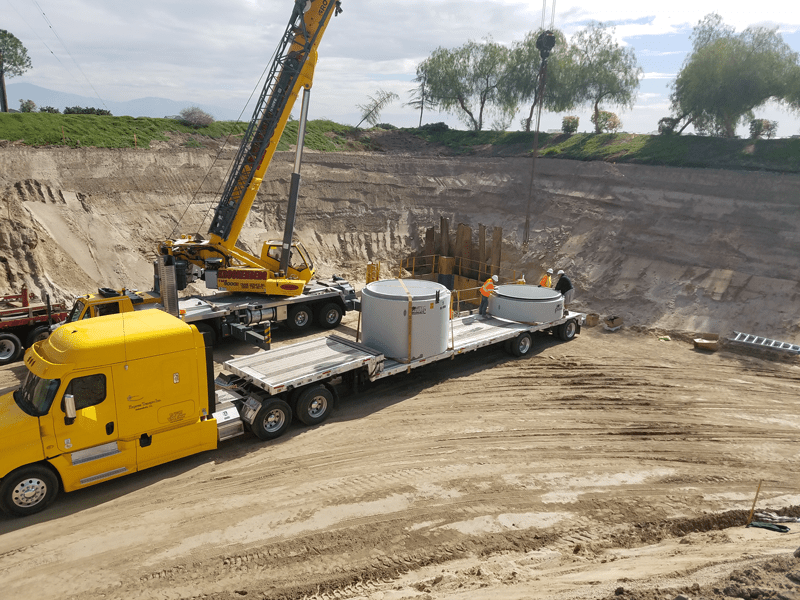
pixel 676 249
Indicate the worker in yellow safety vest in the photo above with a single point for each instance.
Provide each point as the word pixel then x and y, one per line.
pixel 547 279
pixel 486 290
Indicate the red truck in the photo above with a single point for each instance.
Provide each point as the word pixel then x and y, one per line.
pixel 23 322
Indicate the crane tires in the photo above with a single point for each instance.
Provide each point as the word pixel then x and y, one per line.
pixel 330 315
pixel 300 317
pixel 10 348
pixel 37 335
pixel 314 405
pixel 272 419
pixel 28 490
pixel 522 344
pixel 566 331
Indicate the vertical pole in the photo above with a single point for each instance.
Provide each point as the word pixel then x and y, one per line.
pixel 294 187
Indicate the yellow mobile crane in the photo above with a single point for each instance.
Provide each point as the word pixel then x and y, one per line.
pixel 276 286
pixel 281 269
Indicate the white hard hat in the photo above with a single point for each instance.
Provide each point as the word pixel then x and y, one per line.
pixel 494 278
pixel 550 271
pixel 560 272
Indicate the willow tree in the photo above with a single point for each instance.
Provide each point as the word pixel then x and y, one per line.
pixel 468 81
pixel 562 90
pixel 608 73
pixel 728 75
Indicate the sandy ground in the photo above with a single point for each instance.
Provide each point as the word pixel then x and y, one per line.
pixel 614 465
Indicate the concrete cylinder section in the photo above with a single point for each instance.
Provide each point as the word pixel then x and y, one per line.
pixel 526 303
pixel 385 317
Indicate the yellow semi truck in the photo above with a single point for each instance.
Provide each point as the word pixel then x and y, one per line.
pixel 111 396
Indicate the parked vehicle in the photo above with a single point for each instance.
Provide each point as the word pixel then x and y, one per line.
pixel 24 321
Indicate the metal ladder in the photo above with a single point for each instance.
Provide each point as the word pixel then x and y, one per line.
pixel 762 342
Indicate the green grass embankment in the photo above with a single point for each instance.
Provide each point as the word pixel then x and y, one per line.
pixel 781 155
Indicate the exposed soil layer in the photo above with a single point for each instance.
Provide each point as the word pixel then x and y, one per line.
pixel 684 250
pixel 617 465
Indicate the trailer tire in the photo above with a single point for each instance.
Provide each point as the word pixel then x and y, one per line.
pixel 566 331
pixel 300 317
pixel 10 347
pixel 28 490
pixel 329 316
pixel 314 405
pixel 36 335
pixel 522 344
pixel 272 419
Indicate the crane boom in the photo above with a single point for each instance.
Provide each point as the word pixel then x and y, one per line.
pixel 291 70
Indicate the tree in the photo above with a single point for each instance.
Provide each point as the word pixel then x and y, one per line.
pixel 27 106
pixel 371 111
pixel 421 95
pixel 569 124
pixel 763 128
pixel 606 121
pixel 561 92
pixel 194 116
pixel 608 73
pixel 667 125
pixel 728 75
pixel 468 81
pixel 14 61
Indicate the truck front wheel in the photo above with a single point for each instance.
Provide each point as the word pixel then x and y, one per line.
pixel 10 347
pixel 300 317
pixel 272 419
pixel 314 405
pixel 28 490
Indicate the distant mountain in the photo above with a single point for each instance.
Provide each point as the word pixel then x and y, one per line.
pixel 141 107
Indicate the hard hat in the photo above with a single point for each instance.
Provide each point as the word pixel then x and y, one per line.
pixel 560 272
pixel 550 271
pixel 494 278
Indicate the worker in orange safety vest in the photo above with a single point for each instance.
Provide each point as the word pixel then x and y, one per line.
pixel 547 279
pixel 486 291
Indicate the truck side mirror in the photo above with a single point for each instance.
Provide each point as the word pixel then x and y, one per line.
pixel 69 409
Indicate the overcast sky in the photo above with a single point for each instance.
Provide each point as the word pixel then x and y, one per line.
pixel 214 51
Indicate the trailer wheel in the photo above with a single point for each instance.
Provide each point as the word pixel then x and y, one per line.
pixel 272 419
pixel 566 331
pixel 10 347
pixel 37 335
pixel 28 490
pixel 300 317
pixel 521 344
pixel 329 316
pixel 314 405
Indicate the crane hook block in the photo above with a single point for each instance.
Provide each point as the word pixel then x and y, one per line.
pixel 545 43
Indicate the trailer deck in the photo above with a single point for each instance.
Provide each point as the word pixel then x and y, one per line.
pixel 317 359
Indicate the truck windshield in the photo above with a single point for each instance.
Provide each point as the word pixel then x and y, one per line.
pixel 36 395
pixel 76 311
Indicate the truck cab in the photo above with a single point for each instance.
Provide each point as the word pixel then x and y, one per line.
pixel 103 399
pixel 108 301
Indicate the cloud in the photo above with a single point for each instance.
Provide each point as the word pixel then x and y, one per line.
pixel 215 52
